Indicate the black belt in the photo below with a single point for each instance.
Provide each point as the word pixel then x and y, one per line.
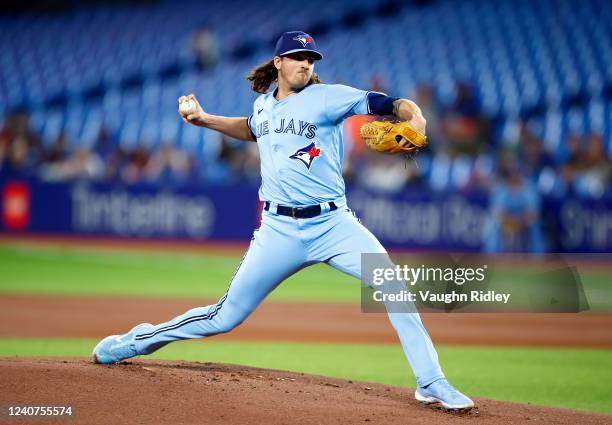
pixel 300 212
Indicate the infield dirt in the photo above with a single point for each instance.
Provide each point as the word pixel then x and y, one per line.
pixel 155 392
pixel 79 317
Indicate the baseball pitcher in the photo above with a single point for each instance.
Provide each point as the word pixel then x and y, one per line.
pixel 305 220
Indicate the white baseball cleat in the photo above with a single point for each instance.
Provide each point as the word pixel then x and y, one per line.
pixel 116 348
pixel 441 391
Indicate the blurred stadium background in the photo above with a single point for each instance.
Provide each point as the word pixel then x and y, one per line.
pixel 517 95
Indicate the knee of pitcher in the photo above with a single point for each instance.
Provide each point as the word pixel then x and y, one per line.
pixel 227 325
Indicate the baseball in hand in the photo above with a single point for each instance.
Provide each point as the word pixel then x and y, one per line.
pixel 187 107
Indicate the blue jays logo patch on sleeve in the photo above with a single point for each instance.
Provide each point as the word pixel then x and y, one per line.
pixel 307 154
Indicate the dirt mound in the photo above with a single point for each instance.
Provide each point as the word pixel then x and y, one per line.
pixel 155 392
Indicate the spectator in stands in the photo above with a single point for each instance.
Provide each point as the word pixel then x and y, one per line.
pixel 514 221
pixel 353 143
pixel 230 162
pixel 58 151
pixel 482 174
pixel 354 146
pixel 83 164
pixel 206 48
pixel 210 168
pixel 105 146
pixel 533 157
pixel 19 158
pixel 58 165
pixel 574 163
pixel 593 174
pixel 3 151
pixel 135 168
pixel 251 170
pixel 425 97
pixel 52 158
pixel 168 166
pixel 466 102
pixel 387 173
pixel 242 160
pixel 468 131
pixel 6 138
pixel 377 83
pixel 20 149
pixel 112 155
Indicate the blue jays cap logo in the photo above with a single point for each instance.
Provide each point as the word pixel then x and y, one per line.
pixel 307 154
pixel 296 41
pixel 304 39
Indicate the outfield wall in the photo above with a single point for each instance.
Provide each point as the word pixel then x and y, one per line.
pixel 412 219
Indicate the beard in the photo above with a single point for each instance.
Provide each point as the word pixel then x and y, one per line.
pixel 300 80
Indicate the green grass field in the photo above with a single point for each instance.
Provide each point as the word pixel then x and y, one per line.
pixel 573 378
pixel 129 273
pixel 70 272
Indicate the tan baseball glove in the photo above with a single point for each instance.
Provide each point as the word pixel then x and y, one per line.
pixel 390 137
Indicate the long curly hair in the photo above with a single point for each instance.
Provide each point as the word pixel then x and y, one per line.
pixel 262 77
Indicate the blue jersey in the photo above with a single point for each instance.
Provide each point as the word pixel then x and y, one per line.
pixel 515 201
pixel 300 143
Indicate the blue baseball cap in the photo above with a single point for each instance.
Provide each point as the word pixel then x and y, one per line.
pixel 296 41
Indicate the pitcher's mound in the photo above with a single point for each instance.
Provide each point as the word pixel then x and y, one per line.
pixel 158 392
